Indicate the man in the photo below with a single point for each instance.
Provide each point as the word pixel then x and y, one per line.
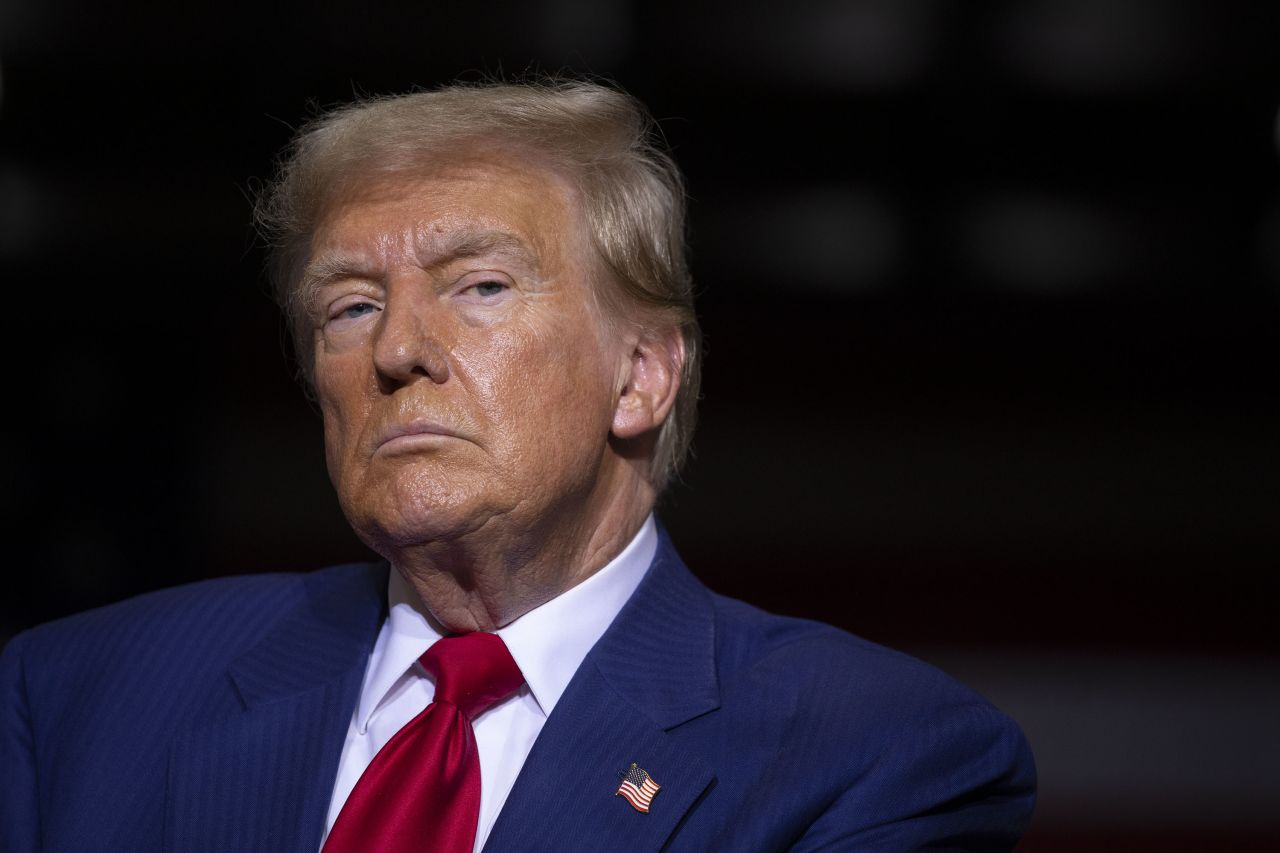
pixel 489 296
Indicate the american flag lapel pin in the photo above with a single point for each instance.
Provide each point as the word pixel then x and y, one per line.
pixel 637 788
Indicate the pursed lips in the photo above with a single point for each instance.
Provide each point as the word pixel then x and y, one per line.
pixel 412 432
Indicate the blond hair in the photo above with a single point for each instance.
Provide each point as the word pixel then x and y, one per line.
pixel 601 139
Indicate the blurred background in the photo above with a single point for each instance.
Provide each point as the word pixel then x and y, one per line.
pixel 991 294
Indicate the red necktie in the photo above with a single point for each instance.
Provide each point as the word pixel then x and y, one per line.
pixel 422 790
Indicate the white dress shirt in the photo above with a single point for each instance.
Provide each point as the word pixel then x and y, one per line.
pixel 548 644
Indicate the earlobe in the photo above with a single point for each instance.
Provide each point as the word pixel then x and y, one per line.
pixel 653 378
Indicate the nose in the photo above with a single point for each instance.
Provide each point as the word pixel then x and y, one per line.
pixel 405 348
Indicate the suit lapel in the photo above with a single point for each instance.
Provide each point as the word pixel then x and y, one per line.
pixel 261 779
pixel 652 671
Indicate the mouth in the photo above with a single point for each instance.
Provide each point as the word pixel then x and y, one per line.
pixel 413 434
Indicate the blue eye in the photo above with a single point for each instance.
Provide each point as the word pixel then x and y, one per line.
pixel 489 288
pixel 357 310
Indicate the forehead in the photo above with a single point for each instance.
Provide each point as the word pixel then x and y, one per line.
pixel 460 206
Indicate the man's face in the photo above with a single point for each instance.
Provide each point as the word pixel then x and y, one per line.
pixel 461 367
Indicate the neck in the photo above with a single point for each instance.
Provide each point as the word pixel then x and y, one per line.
pixel 490 576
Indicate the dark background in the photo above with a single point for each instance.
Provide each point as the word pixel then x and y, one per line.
pixel 991 294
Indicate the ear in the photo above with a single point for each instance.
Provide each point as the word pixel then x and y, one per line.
pixel 649 383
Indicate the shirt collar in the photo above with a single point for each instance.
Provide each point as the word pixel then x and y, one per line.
pixel 548 643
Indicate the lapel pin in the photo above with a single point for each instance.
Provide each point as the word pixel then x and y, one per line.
pixel 637 788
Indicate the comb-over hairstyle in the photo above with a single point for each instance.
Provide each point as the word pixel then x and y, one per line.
pixel 601 140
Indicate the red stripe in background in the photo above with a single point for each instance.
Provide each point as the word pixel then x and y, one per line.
pixel 1134 841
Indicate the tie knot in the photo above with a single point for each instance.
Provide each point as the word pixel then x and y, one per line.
pixel 473 671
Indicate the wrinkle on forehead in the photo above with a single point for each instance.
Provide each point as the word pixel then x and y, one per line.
pixel 429 245
pixel 507 208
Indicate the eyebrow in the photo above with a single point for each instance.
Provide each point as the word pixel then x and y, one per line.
pixel 337 265
pixel 475 244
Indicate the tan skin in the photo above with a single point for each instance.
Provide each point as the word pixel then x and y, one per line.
pixel 486 429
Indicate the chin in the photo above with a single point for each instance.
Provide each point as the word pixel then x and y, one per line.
pixel 413 510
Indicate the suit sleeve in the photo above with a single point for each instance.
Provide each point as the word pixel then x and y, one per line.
pixel 965 782
pixel 19 813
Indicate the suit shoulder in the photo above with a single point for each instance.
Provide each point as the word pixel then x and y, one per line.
pixel 224 614
pixel 899 735
pixel 758 637
pixel 823 670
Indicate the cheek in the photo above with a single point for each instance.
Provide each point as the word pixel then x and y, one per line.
pixel 554 397
pixel 333 443
pixel 343 409
pixel 537 373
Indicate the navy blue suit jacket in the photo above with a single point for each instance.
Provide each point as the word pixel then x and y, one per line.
pixel 211 717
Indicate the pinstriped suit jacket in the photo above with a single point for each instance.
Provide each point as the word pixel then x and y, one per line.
pixel 211 717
